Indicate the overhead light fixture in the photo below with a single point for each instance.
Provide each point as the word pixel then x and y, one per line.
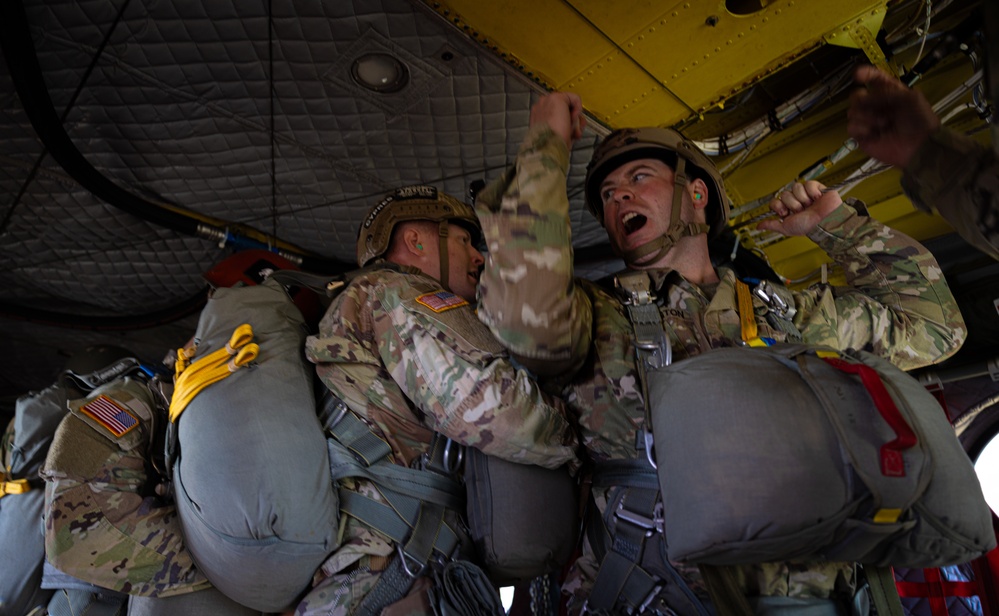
pixel 380 72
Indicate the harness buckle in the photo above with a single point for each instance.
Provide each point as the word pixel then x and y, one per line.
pixel 403 557
pixel 340 410
pixel 766 292
pixel 650 448
pixel 642 609
pixel 650 525
pixel 453 456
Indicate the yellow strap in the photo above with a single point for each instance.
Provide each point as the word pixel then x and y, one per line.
pixel 183 361
pixel 887 516
pixel 212 368
pixel 747 316
pixel 240 336
pixel 14 486
pixel 193 382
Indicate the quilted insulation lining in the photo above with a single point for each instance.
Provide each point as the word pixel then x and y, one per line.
pixel 178 110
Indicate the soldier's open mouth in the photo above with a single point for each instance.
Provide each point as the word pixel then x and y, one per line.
pixel 633 222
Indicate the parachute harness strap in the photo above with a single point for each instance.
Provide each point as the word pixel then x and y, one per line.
pixel 652 346
pixel 414 500
pixel 192 378
pixel 634 571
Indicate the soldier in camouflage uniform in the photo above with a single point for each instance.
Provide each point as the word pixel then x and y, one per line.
pixel 104 522
pixel 942 170
pixel 401 346
pixel 577 338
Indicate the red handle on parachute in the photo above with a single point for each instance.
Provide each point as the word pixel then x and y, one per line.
pixel 892 464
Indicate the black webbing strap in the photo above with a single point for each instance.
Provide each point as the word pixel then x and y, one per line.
pixel 392 585
pixel 637 529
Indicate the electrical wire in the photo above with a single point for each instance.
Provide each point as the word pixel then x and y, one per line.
pixel 926 30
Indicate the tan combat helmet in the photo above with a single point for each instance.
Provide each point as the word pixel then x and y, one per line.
pixel 628 144
pixel 418 202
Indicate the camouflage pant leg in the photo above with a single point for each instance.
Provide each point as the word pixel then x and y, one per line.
pixel 341 594
pixel 579 582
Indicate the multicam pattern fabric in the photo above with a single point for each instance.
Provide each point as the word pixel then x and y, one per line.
pixel 103 524
pixel 410 371
pixel 578 337
pixel 959 177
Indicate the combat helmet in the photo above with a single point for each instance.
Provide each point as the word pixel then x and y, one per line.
pixel 686 159
pixel 98 364
pixel 418 202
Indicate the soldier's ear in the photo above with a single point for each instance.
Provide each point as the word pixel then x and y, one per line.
pixel 412 241
pixel 698 191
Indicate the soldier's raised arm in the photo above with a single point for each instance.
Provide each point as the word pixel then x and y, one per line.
pixel 941 170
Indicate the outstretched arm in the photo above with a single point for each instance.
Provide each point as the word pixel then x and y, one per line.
pixel 942 170
pixel 888 120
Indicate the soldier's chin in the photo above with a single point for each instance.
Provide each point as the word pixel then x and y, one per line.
pixel 645 261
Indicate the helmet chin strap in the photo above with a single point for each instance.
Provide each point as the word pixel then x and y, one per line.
pixel 677 228
pixel 443 229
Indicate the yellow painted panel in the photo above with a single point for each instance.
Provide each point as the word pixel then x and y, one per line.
pixel 588 46
pixel 643 103
pixel 703 53
pixel 547 36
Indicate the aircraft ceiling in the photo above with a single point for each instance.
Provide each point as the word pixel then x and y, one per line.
pixel 142 141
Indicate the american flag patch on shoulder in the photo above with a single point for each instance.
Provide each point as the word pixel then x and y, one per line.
pixel 111 415
pixel 441 301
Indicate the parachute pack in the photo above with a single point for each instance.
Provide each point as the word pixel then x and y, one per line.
pixel 250 470
pixel 27 439
pixel 255 469
pixel 808 453
pixel 802 452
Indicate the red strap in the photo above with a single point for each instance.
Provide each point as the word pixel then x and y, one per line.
pixel 936 590
pixel 987 573
pixel 892 464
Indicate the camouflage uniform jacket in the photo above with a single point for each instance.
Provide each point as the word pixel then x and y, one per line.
pixel 103 522
pixel 578 335
pixel 411 359
pixel 959 177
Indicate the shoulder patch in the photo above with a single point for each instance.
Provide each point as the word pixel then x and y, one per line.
pixel 441 301
pixel 108 413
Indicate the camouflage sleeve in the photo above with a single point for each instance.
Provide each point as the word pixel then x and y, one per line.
pixel 103 524
pixel 449 368
pixel 525 220
pixel 469 389
pixel 897 304
pixel 958 177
